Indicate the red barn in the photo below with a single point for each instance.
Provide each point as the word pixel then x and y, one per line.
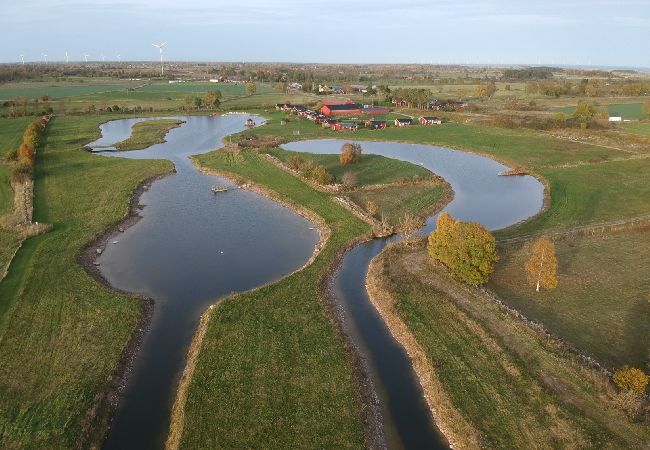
pixel 346 109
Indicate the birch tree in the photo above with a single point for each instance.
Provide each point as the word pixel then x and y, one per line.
pixel 541 268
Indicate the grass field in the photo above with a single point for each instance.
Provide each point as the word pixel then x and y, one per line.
pixel 57 92
pixel 601 302
pixel 518 389
pixel 148 133
pixel 633 111
pixel 11 133
pixel 272 372
pixel 637 128
pixel 61 332
pixel 372 169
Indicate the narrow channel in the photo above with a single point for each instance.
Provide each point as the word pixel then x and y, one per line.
pixel 480 195
pixel 190 247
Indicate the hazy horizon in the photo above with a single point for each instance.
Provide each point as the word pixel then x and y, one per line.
pixel 500 32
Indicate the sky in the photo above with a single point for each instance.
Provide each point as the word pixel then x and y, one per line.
pixel 570 32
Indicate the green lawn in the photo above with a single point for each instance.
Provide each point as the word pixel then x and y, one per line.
pixel 601 302
pixel 148 133
pixel 6 194
pixel 272 371
pixel 518 389
pixel 62 332
pixel 372 169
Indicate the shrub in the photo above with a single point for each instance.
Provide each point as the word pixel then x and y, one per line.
pixel 350 153
pixel 467 249
pixel 320 174
pixel 372 208
pixel 26 154
pixel 631 379
pixel 295 162
pixel 349 179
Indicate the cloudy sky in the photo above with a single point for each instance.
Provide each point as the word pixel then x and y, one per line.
pixel 586 32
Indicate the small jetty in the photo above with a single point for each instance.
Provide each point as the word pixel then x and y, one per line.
pixel 250 123
pixel 217 188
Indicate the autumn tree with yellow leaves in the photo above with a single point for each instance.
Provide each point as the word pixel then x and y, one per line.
pixel 541 268
pixel 467 248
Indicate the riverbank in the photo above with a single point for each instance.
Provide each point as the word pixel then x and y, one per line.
pixel 63 333
pixel 545 391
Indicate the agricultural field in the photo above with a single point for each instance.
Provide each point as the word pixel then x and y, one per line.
pixel 61 331
pixel 56 91
pixel 642 128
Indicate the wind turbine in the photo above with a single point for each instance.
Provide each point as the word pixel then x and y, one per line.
pixel 45 58
pixel 66 57
pixel 119 58
pixel 102 57
pixel 86 57
pixel 22 58
pixel 160 47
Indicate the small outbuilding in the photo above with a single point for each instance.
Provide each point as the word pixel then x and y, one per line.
pixel 376 124
pixel 430 120
pixel 403 122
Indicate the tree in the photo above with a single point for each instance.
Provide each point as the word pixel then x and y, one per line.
pixel 198 102
pixel 251 88
pixel 350 153
pixel 584 112
pixel 320 174
pixel 26 155
pixel 631 379
pixel 541 268
pixel 466 248
pixel 212 99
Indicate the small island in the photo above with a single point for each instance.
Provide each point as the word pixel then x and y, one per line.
pixel 148 133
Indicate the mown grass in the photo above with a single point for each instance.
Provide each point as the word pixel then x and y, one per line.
pixel 272 371
pixel 624 110
pixel 372 169
pixel 516 387
pixel 61 331
pixel 148 133
pixel 637 128
pixel 601 302
pixel 56 92
pixel 6 194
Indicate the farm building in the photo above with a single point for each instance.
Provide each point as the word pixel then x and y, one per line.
pixel 348 108
pixel 345 126
pixel 375 110
pixel 399 102
pixel 430 120
pixel 376 124
pixel 403 122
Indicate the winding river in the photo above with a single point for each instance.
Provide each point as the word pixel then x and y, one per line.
pixel 192 246
pixel 480 195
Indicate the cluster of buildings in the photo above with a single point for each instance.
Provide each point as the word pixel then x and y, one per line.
pixel 435 105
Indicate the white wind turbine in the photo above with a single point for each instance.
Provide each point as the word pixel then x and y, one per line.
pixel 119 58
pixel 160 47
pixel 86 57
pixel 102 57
pixel 45 58
pixel 67 59
pixel 22 58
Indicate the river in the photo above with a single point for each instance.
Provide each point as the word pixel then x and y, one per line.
pixel 192 246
